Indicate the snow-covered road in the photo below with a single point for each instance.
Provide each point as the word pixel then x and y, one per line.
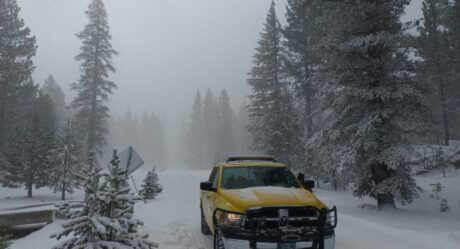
pixel 173 221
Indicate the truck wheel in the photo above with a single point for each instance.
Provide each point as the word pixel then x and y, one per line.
pixel 218 241
pixel 204 226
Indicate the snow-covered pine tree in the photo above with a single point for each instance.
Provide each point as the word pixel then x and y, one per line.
pixel 57 96
pixel 17 47
pixel 66 160
pixel 117 206
pixel 304 32
pixel 274 122
pixel 194 141
pixel 150 187
pixel 93 87
pixel 376 103
pixel 87 227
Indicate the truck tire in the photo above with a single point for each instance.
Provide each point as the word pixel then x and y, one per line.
pixel 204 226
pixel 218 241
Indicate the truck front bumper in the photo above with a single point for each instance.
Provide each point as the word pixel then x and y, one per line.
pixel 329 243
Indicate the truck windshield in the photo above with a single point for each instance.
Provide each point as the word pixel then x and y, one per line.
pixel 247 177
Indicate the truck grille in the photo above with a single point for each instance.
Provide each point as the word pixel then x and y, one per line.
pixel 268 217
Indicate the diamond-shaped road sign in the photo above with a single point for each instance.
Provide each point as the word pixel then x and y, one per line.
pixel 130 160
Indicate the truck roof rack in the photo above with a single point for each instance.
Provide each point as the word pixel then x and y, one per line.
pixel 250 158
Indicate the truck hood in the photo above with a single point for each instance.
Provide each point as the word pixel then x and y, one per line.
pixel 242 199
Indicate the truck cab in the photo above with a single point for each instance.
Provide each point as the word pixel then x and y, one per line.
pixel 256 202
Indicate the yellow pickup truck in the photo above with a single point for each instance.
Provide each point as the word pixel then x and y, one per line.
pixel 256 202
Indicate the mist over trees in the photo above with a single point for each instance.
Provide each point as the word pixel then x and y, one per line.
pixel 53 90
pixel 214 131
pixel 145 134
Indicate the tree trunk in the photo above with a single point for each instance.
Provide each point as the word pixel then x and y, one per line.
pixel 380 173
pixel 29 188
pixel 92 118
pixel 63 191
pixel 385 201
pixel 445 120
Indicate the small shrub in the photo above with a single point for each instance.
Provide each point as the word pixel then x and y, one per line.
pixel 444 206
pixel 436 188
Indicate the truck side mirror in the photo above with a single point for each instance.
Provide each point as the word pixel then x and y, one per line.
pixel 207 186
pixel 309 184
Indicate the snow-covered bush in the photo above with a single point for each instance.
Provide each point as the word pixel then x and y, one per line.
pixel 436 188
pixel 150 187
pixel 444 206
pixel 4 236
pixel 86 224
pixel 118 206
pixel 106 219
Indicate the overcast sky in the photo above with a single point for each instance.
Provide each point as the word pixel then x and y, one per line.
pixel 168 48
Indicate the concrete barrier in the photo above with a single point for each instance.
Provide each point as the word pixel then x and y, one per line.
pixel 27 217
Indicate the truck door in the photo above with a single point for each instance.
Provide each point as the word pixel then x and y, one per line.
pixel 208 197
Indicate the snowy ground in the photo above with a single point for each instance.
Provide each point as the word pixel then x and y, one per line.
pixel 172 220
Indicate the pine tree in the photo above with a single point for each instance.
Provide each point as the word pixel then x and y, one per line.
pixel 94 87
pixel 433 70
pixel 118 207
pixel 226 142
pixel 194 142
pixel 304 33
pixel 273 119
pixel 210 127
pixel 105 221
pixel 150 187
pixel 375 103
pixel 452 25
pixel 86 224
pixel 152 139
pixel 243 137
pixel 66 162
pixel 129 128
pixel 17 47
pixel 159 148
pixel 30 149
pixel 54 91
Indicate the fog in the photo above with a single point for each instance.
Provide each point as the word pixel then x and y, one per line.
pixel 168 49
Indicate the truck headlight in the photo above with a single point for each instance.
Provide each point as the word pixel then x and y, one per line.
pixel 232 220
pixel 331 219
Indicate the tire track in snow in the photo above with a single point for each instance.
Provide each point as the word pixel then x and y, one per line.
pixel 191 193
